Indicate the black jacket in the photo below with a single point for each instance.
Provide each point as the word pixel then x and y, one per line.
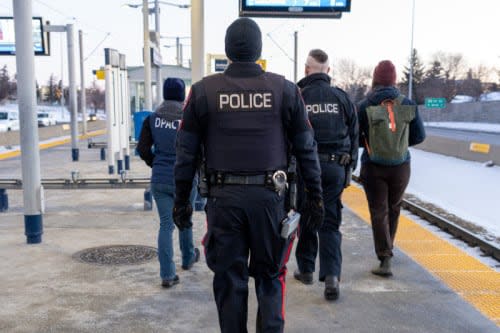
pixel 332 115
pixel 298 131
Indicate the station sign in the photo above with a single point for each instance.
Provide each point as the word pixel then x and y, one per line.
pixel 295 8
pixel 435 103
pixel 8 40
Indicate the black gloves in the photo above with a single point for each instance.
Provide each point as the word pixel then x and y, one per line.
pixel 313 213
pixel 182 215
pixel 348 176
pixel 182 207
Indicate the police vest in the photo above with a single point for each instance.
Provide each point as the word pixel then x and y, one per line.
pixel 326 111
pixel 164 133
pixel 245 129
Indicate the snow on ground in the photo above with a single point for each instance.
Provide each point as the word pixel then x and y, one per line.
pixel 467 189
pixel 480 127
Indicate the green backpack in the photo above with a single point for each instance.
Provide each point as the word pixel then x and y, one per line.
pixel 389 129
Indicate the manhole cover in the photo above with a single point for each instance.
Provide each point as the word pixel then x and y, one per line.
pixel 117 255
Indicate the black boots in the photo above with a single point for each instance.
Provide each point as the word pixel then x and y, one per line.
pixel 305 278
pixel 384 269
pixel 332 290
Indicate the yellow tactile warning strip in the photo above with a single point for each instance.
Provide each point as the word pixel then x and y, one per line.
pixel 17 152
pixel 477 283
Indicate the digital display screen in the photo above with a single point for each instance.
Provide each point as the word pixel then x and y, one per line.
pixel 8 40
pixel 296 8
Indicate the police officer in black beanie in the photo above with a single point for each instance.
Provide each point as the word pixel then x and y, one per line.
pixel 245 120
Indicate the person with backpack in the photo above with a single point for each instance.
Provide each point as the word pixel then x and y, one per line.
pixel 335 123
pixel 159 131
pixel 388 124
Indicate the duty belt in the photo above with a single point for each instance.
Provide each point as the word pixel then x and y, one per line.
pixel 230 179
pixel 276 180
pixel 342 159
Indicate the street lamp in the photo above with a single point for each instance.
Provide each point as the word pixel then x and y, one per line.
pixel 147 60
pixel 410 84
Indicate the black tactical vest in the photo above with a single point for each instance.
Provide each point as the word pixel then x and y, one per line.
pixel 245 129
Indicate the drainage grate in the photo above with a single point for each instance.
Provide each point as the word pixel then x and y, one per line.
pixel 117 255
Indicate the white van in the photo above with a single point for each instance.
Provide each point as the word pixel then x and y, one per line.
pixel 46 119
pixel 10 120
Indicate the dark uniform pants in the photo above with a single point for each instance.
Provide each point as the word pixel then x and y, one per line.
pixel 384 187
pixel 330 238
pixel 245 221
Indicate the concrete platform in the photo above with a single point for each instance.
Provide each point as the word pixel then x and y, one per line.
pixel 44 289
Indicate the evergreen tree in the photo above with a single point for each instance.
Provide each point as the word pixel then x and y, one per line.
pixel 418 76
pixel 4 83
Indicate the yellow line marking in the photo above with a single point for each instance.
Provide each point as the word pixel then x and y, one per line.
pixel 474 281
pixel 17 152
pixel 479 147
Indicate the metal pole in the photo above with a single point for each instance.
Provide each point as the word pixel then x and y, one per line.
pixel 177 49
pixel 147 58
pixel 30 157
pixel 197 40
pixel 83 101
pixel 159 85
pixel 295 55
pixel 72 91
pixel 410 84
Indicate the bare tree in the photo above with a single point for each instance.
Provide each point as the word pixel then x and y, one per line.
pixel 96 97
pixel 355 80
pixel 453 69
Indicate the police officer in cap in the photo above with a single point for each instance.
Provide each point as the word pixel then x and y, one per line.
pixel 334 119
pixel 244 120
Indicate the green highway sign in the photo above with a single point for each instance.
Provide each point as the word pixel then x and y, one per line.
pixel 435 103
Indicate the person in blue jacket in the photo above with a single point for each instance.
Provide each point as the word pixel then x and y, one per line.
pixel 156 147
pixel 385 181
pixel 243 120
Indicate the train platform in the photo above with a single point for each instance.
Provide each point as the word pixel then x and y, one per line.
pixel 436 287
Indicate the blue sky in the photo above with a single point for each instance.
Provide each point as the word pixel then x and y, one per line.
pixel 372 31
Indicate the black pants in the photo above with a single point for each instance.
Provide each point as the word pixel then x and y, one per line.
pixel 384 187
pixel 330 237
pixel 244 221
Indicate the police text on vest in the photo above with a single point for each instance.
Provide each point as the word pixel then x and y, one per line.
pixel 245 101
pixel 322 108
pixel 163 123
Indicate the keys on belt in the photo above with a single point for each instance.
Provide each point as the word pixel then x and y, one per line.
pixel 342 159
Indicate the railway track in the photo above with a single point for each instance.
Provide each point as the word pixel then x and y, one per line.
pixel 473 240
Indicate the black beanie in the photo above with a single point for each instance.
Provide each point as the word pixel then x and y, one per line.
pixel 174 89
pixel 243 40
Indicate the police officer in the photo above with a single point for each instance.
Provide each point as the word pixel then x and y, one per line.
pixel 334 120
pixel 159 131
pixel 243 119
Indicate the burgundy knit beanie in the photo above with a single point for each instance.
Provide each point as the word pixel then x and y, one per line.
pixel 384 74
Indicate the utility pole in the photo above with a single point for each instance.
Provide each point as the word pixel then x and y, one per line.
pixel 30 153
pixel 83 101
pixel 197 40
pixel 72 91
pixel 295 55
pixel 159 79
pixel 410 84
pixel 147 58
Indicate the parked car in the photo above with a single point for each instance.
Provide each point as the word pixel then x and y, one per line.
pixel 9 119
pixel 489 97
pixel 92 117
pixel 46 119
pixel 462 99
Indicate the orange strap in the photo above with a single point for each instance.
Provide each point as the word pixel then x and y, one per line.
pixel 390 110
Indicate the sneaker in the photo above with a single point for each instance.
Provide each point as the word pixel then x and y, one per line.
pixel 332 290
pixel 196 258
pixel 305 278
pixel 170 283
pixel 384 269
